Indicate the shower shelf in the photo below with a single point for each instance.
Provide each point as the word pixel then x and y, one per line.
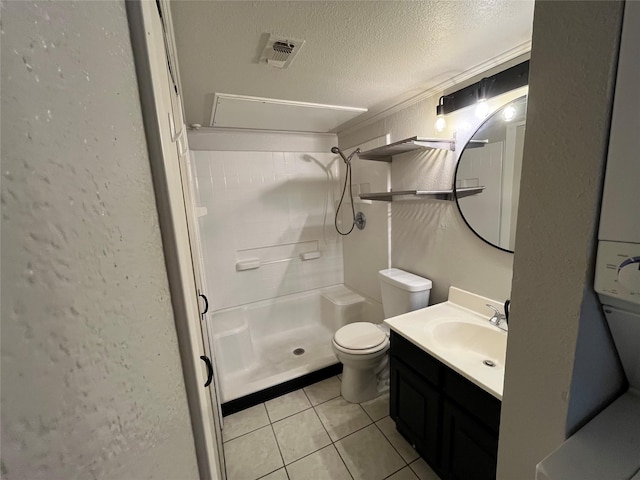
pixel 384 153
pixel 433 194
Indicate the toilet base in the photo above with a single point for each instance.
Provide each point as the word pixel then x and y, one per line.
pixel 358 385
pixel 361 372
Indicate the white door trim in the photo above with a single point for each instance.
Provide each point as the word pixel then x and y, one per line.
pixel 150 59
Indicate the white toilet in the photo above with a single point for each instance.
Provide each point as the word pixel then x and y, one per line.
pixel 362 346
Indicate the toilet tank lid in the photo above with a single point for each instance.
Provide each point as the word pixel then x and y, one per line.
pixel 404 280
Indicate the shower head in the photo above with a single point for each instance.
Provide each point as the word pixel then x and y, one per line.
pixel 346 159
pixel 339 152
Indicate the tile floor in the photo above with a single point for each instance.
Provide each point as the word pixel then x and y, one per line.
pixel 314 434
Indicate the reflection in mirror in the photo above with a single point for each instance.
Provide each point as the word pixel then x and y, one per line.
pixel 492 159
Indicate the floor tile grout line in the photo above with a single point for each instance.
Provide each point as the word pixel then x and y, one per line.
pixel 267 474
pixel 349 434
pixel 334 444
pixel 289 416
pixel 365 410
pixel 319 419
pixel 340 396
pixel 413 470
pixel 343 462
pixel 306 455
pixel 391 443
pixel 267 410
pixel 366 413
pixel 406 464
pixel 384 436
pixel 401 468
pixel 278 445
pixel 327 400
pixel 246 433
pixel 307 396
pixel 307 408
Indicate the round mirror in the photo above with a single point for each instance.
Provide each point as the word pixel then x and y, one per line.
pixel 487 180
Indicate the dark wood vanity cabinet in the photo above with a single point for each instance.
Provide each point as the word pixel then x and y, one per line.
pixel 451 422
pixel 415 407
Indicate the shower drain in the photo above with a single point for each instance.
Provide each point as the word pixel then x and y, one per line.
pixel 298 351
pixel 489 363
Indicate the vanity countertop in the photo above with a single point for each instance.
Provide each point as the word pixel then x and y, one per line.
pixel 458 333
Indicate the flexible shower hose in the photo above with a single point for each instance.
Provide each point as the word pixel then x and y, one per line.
pixel 344 189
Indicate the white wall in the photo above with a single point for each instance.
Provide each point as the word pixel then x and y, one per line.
pixel 271 205
pixel 91 380
pixel 561 366
pixel 367 251
pixel 428 237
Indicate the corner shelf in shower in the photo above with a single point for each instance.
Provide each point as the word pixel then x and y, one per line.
pixel 432 194
pixel 384 153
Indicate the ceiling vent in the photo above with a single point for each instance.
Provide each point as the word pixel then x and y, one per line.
pixel 279 52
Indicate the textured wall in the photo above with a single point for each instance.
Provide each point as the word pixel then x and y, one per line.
pixel 554 310
pixel 92 385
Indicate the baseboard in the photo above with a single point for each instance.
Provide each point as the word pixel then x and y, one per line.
pixel 255 398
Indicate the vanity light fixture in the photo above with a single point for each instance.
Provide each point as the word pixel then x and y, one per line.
pixel 441 123
pixel 482 109
pixel 509 113
pixel 489 87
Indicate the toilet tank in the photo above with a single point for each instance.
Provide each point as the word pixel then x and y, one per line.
pixel 402 291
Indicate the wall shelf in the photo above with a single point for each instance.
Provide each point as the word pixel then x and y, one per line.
pixel 384 153
pixel 426 194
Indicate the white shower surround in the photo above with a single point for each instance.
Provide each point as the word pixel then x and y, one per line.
pixel 254 343
pixel 266 206
pixel 272 206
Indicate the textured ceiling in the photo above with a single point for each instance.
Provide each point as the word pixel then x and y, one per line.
pixel 359 54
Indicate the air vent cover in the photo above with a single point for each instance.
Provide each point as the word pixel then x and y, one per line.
pixel 279 52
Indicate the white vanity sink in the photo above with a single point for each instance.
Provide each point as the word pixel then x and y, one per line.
pixel 461 336
pixel 458 333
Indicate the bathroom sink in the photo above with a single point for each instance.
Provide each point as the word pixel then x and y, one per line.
pixel 486 341
pixel 458 333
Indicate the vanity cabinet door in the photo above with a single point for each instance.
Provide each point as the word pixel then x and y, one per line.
pixel 469 449
pixel 415 407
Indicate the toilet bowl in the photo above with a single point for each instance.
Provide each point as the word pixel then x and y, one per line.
pixel 362 347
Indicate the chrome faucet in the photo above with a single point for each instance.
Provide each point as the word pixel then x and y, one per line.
pixel 498 319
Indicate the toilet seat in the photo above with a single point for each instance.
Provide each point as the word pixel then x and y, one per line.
pixel 360 338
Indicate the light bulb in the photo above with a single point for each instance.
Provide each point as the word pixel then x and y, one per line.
pixel 441 123
pixel 465 126
pixel 482 109
pixel 509 113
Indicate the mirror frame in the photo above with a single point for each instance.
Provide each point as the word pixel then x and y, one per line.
pixel 455 175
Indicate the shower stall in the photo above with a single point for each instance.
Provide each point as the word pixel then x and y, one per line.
pixel 272 259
